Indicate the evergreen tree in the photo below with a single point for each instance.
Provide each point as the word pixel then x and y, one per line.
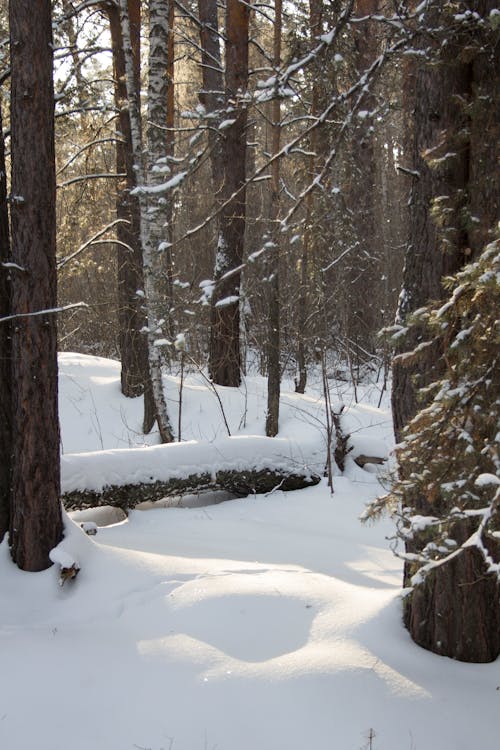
pixel 448 493
pixel 35 516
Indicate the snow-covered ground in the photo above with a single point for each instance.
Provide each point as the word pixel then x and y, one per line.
pixel 270 622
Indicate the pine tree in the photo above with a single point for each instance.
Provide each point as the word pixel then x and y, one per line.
pixel 448 493
pixel 35 517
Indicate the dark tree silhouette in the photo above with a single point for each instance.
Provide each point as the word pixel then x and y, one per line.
pixel 36 520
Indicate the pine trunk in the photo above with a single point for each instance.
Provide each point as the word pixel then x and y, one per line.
pixel 225 352
pixel 454 609
pixel 274 346
pixel 441 89
pixel 36 521
pixel 212 95
pixel 5 350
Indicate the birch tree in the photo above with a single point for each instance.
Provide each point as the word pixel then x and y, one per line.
pixel 150 169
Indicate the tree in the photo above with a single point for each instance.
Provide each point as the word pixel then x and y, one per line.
pixel 448 496
pixel 150 169
pixel 5 349
pixel 449 515
pixel 212 95
pixel 132 342
pixel 225 354
pixel 454 82
pixel 274 346
pixel 36 520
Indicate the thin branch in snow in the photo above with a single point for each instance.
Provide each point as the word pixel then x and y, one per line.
pixel 85 177
pixel 49 311
pixel 91 241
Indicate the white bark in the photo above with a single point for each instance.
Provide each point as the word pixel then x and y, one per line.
pixel 146 166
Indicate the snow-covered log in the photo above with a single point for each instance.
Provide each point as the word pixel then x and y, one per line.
pixel 127 477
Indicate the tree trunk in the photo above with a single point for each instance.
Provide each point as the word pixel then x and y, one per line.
pixel 441 89
pixel 132 343
pixel 36 521
pixel 274 346
pixel 5 350
pixel 212 95
pixel 454 612
pixel 241 483
pixel 151 242
pixel 167 260
pixel 363 312
pixel 225 353
pixel 453 608
pixel 308 265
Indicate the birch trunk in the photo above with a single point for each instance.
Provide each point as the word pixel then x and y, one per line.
pixel 151 229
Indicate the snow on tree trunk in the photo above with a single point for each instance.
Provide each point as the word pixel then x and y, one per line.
pixel 150 207
pixel 36 520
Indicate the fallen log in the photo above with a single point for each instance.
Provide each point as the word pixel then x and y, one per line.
pixel 362 460
pixel 126 477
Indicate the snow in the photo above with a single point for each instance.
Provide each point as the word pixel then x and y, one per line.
pixel 487 480
pixel 174 182
pixel 231 300
pixel 269 622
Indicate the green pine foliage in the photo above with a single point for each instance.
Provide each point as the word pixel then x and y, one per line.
pixel 447 489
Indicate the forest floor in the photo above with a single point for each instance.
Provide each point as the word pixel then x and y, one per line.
pixel 271 622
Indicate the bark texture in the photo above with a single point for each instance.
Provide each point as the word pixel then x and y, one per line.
pixel 455 612
pixel 454 608
pixel 212 96
pixel 36 522
pixel 453 203
pixel 144 175
pixel 5 350
pixel 362 313
pixel 132 343
pixel 240 482
pixel 225 354
pixel 274 344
